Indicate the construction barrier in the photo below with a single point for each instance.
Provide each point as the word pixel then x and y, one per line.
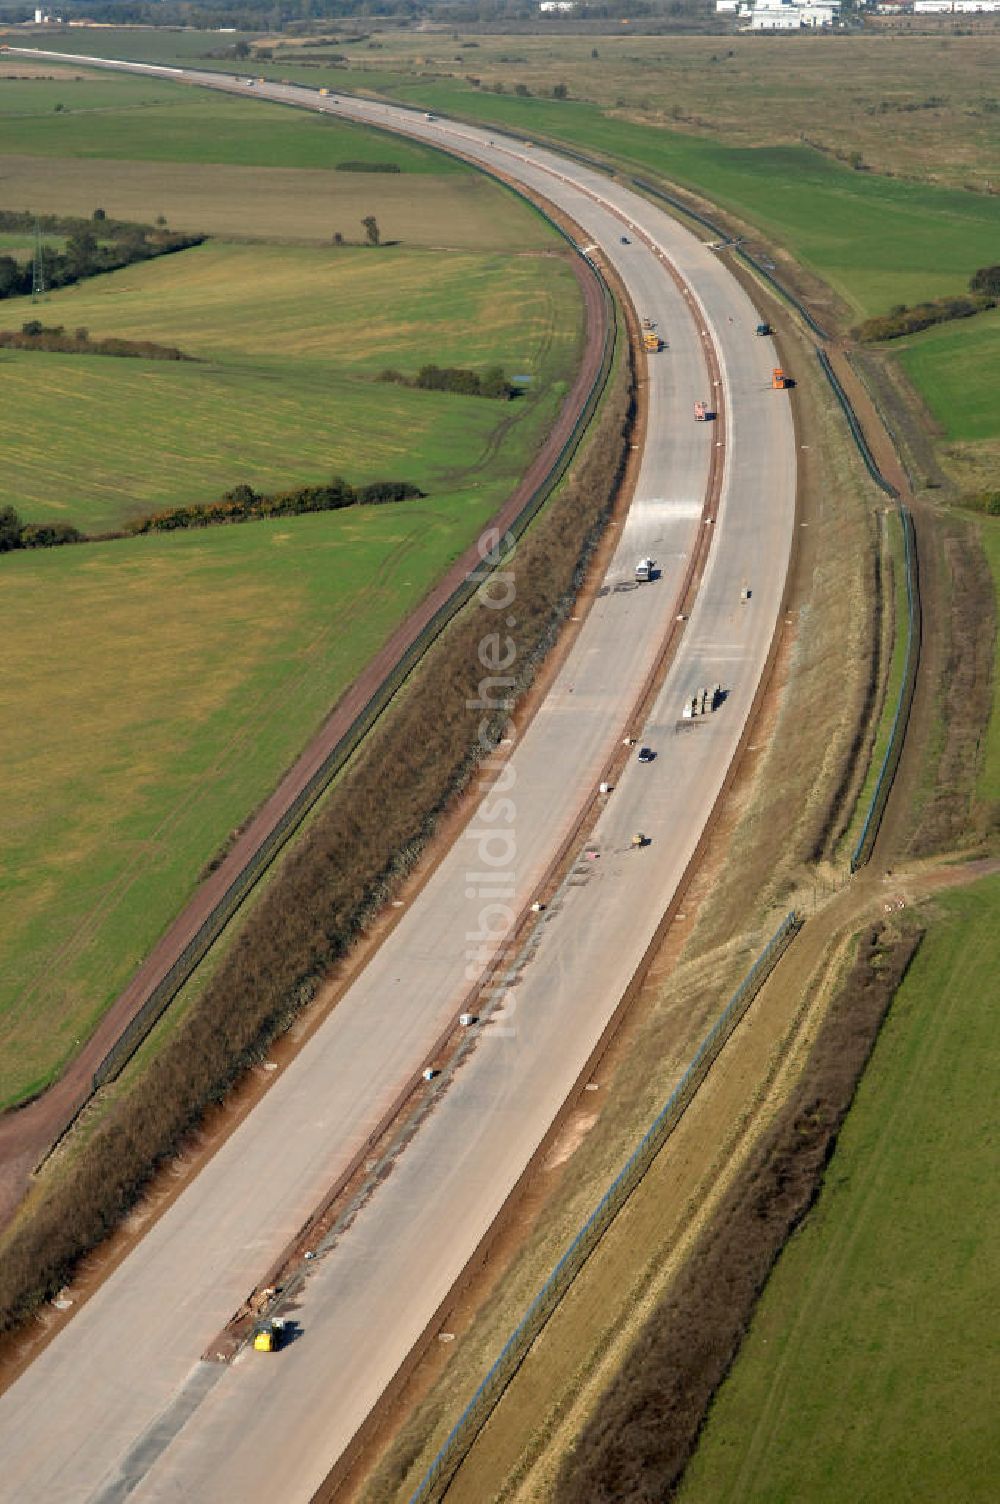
pixel 852 421
pixel 442 1470
pixel 893 752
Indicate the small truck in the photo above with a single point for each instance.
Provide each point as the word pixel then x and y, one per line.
pixel 269 1335
pixel 700 412
pixel 643 571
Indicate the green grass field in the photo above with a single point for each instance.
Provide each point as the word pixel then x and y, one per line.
pixel 893 684
pixel 956 368
pixel 290 339
pixel 988 785
pixel 154 691
pixel 150 120
pixel 870 1370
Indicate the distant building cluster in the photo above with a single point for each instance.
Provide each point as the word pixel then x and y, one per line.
pixel 796 15
pixel 782 15
pixel 42 18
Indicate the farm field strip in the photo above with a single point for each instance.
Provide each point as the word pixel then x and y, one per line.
pixel 278 204
pixel 868 1370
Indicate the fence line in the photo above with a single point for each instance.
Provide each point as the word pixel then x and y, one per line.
pixel 893 752
pixel 194 952
pixel 475 1415
pixel 854 425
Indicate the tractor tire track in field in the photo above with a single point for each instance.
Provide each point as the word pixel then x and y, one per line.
pixel 28 1133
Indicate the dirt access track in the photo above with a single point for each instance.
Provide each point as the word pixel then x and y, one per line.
pixel 28 1133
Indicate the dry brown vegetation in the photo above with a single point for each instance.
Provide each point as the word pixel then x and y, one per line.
pixel 963 647
pixel 646 1427
pixel 357 849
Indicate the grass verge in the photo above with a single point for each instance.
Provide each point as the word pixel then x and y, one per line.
pixel 895 638
pixel 988 783
pixel 868 1371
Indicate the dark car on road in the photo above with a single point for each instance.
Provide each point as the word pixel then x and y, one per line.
pixel 646 754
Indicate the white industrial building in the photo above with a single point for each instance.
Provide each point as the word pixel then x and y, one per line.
pixel 955 7
pixel 786 15
pixel 790 15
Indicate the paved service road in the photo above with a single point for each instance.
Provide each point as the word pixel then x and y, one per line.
pixel 119 1401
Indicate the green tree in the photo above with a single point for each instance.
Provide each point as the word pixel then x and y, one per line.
pixel 81 250
pixel 371 229
pixel 10 277
pixel 11 529
pixel 986 280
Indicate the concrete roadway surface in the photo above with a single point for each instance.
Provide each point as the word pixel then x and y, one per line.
pixel 119 1401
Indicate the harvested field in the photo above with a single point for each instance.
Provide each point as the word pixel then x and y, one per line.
pixel 276 203
pixel 869 1370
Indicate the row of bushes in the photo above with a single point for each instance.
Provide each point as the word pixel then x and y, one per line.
pixel 241 504
pixel 646 1425
pixel 368 167
pixel 490 383
pixel 985 502
pixel 86 256
pixel 244 504
pixel 358 849
pixel 23 222
pixel 53 338
pixel 984 293
pixel 17 534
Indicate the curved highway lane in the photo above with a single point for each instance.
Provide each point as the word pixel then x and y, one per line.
pixel 119 1402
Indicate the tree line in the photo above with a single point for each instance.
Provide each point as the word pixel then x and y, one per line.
pixel 241 504
pixel 491 383
pixel 87 253
pixel 53 339
pixel 244 504
pixel 984 293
